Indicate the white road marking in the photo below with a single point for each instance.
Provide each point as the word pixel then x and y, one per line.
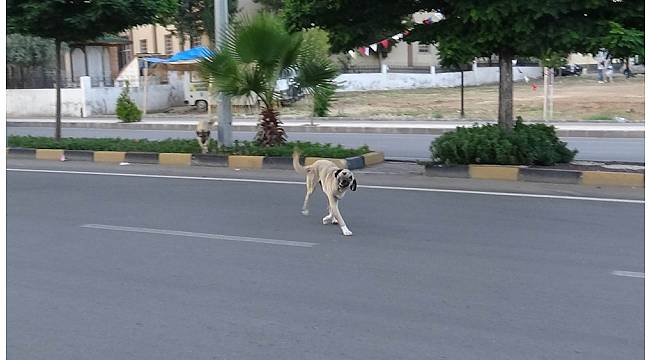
pixel 262 181
pixel 199 235
pixel 633 274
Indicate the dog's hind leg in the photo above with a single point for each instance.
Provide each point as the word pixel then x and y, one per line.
pixel 310 183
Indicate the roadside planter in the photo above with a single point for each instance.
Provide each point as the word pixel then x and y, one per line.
pixel 535 174
pixel 187 159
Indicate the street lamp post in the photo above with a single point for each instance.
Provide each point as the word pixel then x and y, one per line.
pixel 224 127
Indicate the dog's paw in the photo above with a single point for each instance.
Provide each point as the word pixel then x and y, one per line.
pixel 305 212
pixel 328 219
pixel 346 231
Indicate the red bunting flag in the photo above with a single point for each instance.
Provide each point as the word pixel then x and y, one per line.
pixel 384 43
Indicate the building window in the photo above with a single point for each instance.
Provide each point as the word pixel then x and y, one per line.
pixel 196 41
pixel 168 44
pixel 423 48
pixel 143 46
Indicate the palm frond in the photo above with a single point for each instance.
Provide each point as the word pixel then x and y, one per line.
pixel 316 74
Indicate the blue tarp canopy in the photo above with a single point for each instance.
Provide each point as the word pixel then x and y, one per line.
pixel 190 56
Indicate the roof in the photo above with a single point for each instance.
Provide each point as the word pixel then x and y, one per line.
pixel 106 40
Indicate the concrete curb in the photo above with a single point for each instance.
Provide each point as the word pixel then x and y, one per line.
pixel 523 173
pixel 320 129
pixel 185 159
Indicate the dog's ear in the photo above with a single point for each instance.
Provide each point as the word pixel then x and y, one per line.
pixel 353 186
pixel 337 172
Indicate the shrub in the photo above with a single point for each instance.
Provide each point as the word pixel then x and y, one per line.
pixel 126 109
pixel 535 144
pixel 323 102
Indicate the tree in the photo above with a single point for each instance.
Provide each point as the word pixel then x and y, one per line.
pixel 79 21
pixel 456 54
pixel 196 17
pixel 622 43
pixel 507 28
pixel 270 5
pixel 30 55
pixel 256 53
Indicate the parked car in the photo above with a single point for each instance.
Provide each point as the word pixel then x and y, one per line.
pixel 569 69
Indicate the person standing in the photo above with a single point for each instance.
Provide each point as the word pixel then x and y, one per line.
pixel 610 73
pixel 601 69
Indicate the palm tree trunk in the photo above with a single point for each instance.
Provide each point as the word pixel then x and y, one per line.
pixel 505 91
pixel 269 132
pixel 57 131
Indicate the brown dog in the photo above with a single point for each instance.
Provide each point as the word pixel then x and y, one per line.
pixel 203 129
pixel 333 180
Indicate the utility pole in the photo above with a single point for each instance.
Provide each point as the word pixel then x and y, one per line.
pixel 224 127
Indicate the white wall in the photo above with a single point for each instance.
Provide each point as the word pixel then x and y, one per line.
pixel 42 102
pixel 389 81
pixel 102 100
pixel 89 100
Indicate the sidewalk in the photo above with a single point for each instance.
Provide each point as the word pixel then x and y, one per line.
pixel 331 125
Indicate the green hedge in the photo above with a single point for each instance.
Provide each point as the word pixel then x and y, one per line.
pixel 535 144
pixel 107 144
pixel 307 149
pixel 183 146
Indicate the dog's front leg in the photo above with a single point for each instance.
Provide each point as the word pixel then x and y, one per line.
pixel 334 210
pixel 203 145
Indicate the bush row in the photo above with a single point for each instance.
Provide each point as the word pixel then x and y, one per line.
pixel 183 146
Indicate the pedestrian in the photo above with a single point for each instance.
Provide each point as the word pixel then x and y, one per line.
pixel 601 69
pixel 610 73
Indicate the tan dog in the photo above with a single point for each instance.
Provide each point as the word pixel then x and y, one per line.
pixel 203 129
pixel 333 180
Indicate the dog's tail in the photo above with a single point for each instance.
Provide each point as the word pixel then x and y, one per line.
pixel 296 163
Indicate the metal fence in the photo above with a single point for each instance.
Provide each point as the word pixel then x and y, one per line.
pixel 361 69
pixel 48 81
pixel 410 69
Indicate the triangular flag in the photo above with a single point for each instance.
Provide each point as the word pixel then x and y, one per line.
pixel 398 36
pixel 364 51
pixel 407 33
pixel 384 43
pixel 374 47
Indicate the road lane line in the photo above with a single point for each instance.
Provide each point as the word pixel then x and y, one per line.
pixel 199 235
pixel 376 187
pixel 633 274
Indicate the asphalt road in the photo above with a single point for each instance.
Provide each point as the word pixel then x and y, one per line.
pixel 395 146
pixel 193 268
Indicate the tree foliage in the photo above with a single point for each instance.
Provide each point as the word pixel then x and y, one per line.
pixel 194 18
pixel 271 5
pixel 79 20
pixel 30 51
pixel 477 28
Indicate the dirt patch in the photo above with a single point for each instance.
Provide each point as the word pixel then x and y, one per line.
pixel 575 98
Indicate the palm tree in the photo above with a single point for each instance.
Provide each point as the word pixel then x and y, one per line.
pixel 257 51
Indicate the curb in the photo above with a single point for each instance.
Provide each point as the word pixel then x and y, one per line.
pixel 185 159
pixel 526 174
pixel 320 129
